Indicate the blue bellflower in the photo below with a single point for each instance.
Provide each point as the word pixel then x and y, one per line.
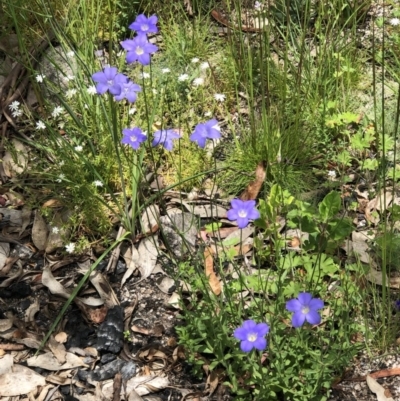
pixel 128 91
pixel 138 49
pixel 305 308
pixel 243 211
pixel 109 80
pixel 165 138
pixel 204 131
pixel 252 335
pixel 133 137
pixel 144 25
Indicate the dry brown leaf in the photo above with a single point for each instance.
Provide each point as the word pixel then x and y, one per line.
pixel 212 382
pixel 52 203
pixel 134 396
pixel 39 231
pixel 377 389
pixel 141 384
pixel 61 337
pixel 131 257
pixel 17 379
pixel 209 271
pixel 147 256
pixel 150 218
pixel 5 324
pixel 379 204
pixel 57 349
pixel 241 250
pixel 141 330
pixel 188 6
pixel 359 245
pixel 253 189
pixel 104 289
pixel 4 252
pixel 48 361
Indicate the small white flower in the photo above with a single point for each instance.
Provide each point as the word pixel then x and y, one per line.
pixel 40 125
pixel 60 178
pixel 78 148
pixel 14 106
pixel 165 70
pixel 86 106
pixel 198 82
pixel 207 114
pixel 62 162
pixel 70 248
pixel 57 111
pixel 132 110
pixel 61 124
pixel 97 183
pixel 17 113
pixel 220 97
pixel 195 60
pixel 144 75
pixel 71 54
pixel 40 78
pixel 70 92
pixel 55 230
pixel 68 78
pixel 92 90
pixel 204 66
pixel 332 173
pixel 394 21
pixel 183 77
pixel 257 5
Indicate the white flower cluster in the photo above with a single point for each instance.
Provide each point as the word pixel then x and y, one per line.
pixel 15 109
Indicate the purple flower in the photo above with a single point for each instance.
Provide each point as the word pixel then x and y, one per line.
pixel 252 335
pixel 133 137
pixel 397 304
pixel 204 131
pixel 128 91
pixel 138 49
pixel 243 211
pixel 144 25
pixel 165 137
pixel 109 80
pixel 305 307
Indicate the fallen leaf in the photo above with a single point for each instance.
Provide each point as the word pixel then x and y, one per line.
pixel 377 389
pixel 52 203
pixel 4 252
pixel 48 361
pixel 21 380
pixel 61 337
pixel 131 258
pixel 209 271
pixel 141 384
pixel 253 189
pixel 147 256
pixel 39 231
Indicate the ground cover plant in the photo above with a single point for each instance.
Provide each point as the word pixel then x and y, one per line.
pixel 285 121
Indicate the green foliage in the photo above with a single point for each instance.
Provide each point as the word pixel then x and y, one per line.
pixel 300 363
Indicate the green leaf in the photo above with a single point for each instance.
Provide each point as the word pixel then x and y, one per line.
pixel 339 229
pixel 329 206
